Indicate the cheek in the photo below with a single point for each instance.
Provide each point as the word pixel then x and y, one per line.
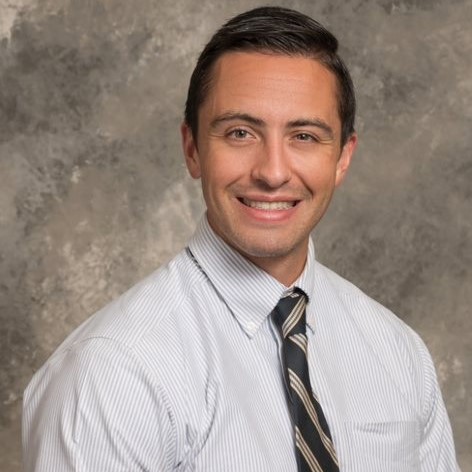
pixel 215 177
pixel 223 169
pixel 319 175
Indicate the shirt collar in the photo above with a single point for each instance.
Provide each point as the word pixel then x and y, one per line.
pixel 249 292
pixel 306 282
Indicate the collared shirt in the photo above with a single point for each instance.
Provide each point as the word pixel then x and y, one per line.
pixel 183 373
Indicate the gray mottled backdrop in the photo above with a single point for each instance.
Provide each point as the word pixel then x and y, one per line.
pixel 94 194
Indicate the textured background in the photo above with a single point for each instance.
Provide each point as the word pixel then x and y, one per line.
pixel 94 194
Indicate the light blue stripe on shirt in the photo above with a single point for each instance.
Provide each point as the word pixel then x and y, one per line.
pixel 183 372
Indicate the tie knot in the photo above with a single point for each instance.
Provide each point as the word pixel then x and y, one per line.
pixel 289 314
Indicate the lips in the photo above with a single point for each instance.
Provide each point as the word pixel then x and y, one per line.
pixel 268 206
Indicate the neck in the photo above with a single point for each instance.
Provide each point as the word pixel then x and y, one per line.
pixel 286 269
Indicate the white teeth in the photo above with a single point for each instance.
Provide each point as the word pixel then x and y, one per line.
pixel 268 205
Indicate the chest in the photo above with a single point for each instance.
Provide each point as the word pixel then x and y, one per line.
pixel 238 418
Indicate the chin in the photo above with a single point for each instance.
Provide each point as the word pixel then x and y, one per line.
pixel 262 244
pixel 265 250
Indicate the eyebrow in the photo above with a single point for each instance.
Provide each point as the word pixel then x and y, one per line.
pixel 302 122
pixel 231 116
pixel 317 123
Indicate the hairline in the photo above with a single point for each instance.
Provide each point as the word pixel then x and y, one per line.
pixel 255 49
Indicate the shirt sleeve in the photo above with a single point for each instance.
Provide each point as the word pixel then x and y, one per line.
pixel 437 450
pixel 95 407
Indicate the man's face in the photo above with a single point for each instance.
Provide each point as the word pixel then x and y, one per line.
pixel 269 155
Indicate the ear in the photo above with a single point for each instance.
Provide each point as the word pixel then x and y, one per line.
pixel 189 146
pixel 345 158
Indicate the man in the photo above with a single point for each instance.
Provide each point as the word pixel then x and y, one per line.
pixel 244 353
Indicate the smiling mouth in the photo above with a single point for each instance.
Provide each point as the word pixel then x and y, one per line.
pixel 268 206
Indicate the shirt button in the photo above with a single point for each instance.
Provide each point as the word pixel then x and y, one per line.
pixel 251 327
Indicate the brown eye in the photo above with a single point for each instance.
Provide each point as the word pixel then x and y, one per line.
pixel 305 137
pixel 239 134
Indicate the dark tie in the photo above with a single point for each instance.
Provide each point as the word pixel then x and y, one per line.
pixel 314 447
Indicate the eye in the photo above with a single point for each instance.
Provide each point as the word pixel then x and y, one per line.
pixel 239 133
pixel 306 137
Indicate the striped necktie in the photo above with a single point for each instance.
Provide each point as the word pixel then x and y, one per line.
pixel 314 447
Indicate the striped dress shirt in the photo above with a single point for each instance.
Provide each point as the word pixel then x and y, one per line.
pixel 183 373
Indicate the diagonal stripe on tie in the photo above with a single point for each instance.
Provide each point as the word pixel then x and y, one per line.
pixel 313 444
pixel 306 452
pixel 308 403
pixel 294 317
pixel 301 341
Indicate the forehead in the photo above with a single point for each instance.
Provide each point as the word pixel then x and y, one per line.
pixel 273 85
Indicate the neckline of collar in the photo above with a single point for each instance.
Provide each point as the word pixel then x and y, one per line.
pixel 249 292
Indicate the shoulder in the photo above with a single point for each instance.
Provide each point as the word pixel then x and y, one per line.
pixel 142 309
pixel 120 356
pixel 359 306
pixel 381 336
pixel 379 324
pixel 142 325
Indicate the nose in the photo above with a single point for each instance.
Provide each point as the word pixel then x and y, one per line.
pixel 272 165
